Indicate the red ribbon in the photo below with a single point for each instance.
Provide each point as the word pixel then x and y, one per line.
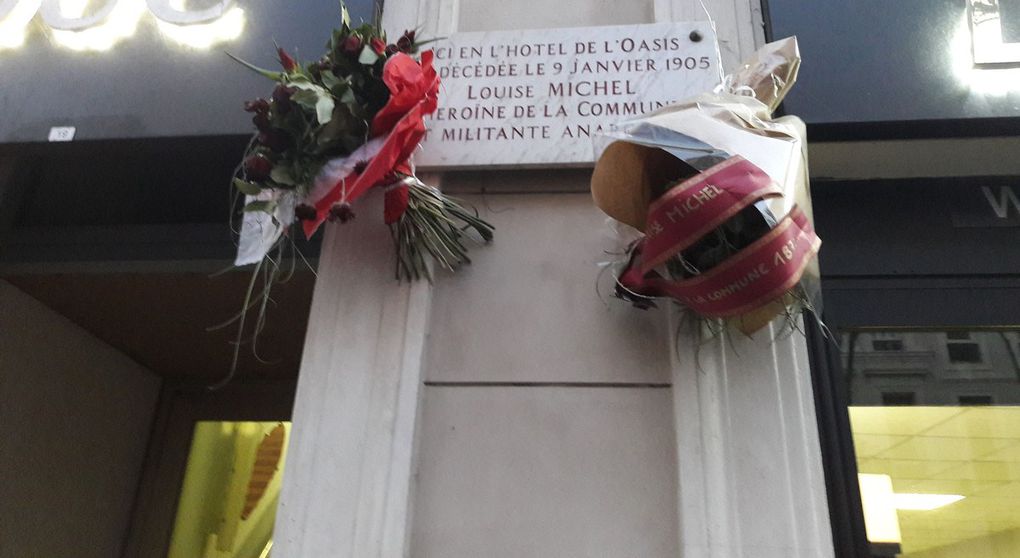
pixel 414 93
pixel 695 207
pixel 755 276
pixel 395 203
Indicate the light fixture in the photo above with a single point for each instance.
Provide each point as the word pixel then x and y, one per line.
pixel 993 34
pixel 96 32
pixel 204 35
pixel 880 520
pixel 923 502
pixel 85 25
pixel 14 18
pixel 982 80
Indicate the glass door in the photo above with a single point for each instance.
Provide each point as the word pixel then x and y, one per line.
pixel 935 419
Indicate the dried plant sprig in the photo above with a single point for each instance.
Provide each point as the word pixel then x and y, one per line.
pixel 436 225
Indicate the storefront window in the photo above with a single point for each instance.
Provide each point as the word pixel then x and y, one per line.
pixel 936 428
pixel 227 504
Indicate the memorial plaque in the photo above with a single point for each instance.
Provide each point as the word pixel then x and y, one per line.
pixel 518 98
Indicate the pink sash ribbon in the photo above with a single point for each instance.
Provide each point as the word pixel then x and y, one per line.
pixel 696 206
pixel 758 274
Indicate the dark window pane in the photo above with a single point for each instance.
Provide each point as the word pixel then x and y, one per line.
pixel 971 400
pixel 964 352
pixel 898 398
pixel 887 345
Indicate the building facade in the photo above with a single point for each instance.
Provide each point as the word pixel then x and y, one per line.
pixel 507 410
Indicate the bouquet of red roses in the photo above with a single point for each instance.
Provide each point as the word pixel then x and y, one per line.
pixel 334 129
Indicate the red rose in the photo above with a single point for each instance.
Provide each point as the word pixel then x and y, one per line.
pixel 281 97
pixel 261 121
pixel 257 106
pixel 406 42
pixel 351 45
pixel 378 45
pixel 257 168
pixel 286 61
pixel 414 91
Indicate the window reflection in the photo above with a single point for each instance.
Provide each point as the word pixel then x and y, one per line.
pixel 938 414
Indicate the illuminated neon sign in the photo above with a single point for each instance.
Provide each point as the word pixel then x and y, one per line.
pixel 73 25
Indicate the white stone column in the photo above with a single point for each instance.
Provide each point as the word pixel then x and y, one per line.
pixel 347 482
pixel 750 483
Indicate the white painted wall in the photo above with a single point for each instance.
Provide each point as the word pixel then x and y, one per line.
pixel 75 415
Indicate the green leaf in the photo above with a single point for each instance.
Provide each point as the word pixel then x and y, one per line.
pixel 340 90
pixel 275 76
pixel 281 174
pixel 304 84
pixel 345 16
pixel 305 98
pixel 341 123
pixel 247 188
pixel 315 97
pixel 330 80
pixel 265 206
pixel 324 108
pixel 348 97
pixel 368 56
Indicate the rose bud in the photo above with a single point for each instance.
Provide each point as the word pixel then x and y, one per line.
pixel 391 50
pixel 378 45
pixel 256 106
pixel 305 212
pixel 257 168
pixel 288 63
pixel 351 45
pixel 261 121
pixel 341 212
pixel 406 42
pixel 281 96
pixel 277 140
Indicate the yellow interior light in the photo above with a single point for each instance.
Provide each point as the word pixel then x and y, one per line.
pixel 924 502
pixel 880 519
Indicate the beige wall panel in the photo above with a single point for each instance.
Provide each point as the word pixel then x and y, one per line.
pixel 513 472
pixel 526 310
pixel 76 416
pixel 485 15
